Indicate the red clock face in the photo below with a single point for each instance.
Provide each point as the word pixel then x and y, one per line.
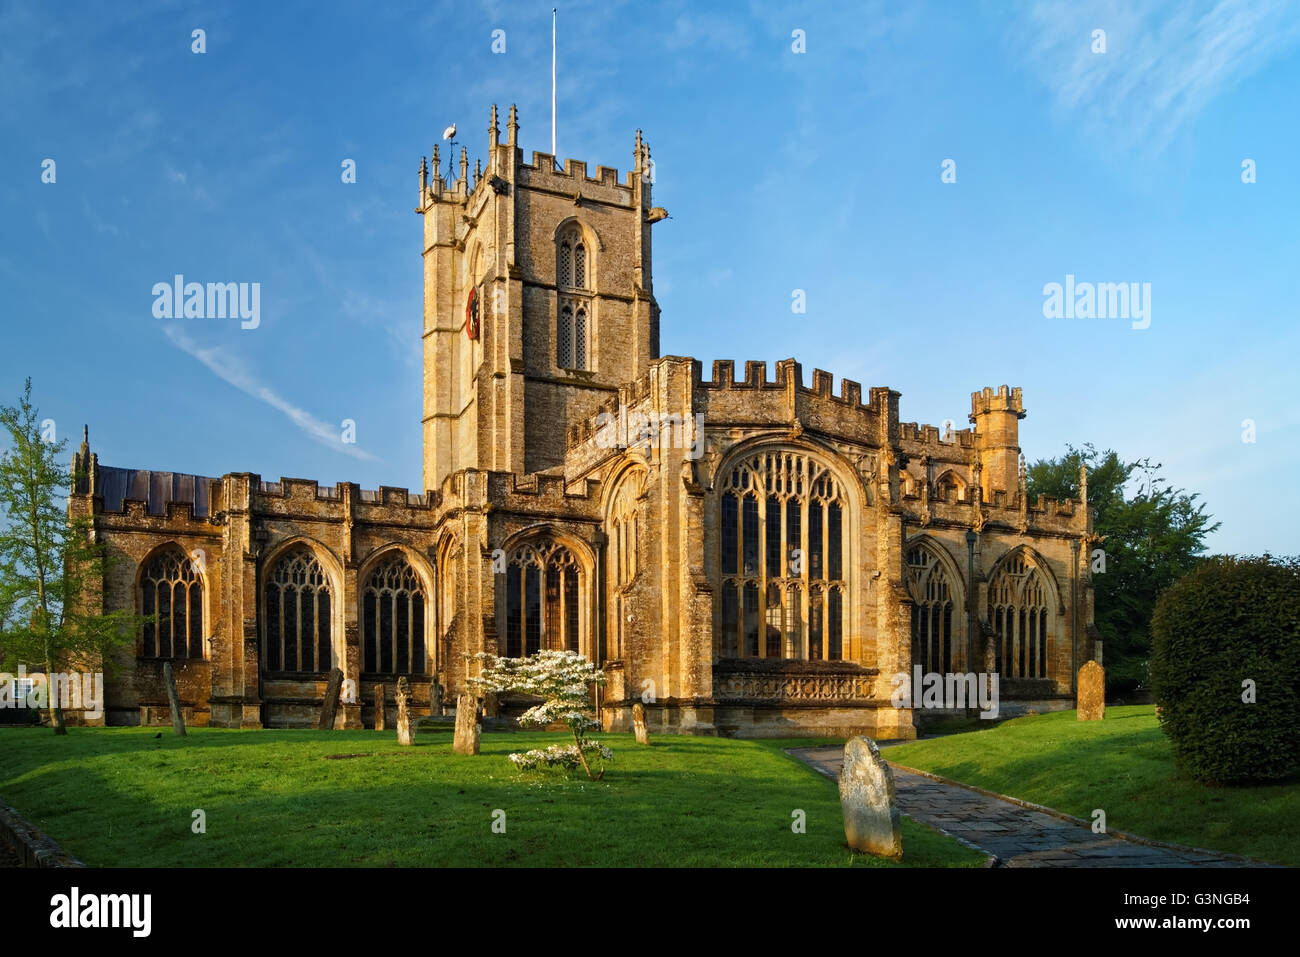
pixel 471 314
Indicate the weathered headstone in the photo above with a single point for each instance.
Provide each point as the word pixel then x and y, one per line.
pixel 467 727
pixel 639 725
pixel 871 818
pixel 435 698
pixel 330 706
pixel 379 707
pixel 404 735
pixel 1091 700
pixel 173 699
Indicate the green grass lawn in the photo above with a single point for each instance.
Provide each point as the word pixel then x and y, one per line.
pixel 1122 765
pixel 121 796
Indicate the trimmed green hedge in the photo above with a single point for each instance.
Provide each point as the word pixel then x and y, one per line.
pixel 1230 621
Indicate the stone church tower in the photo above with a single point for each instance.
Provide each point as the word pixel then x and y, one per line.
pixel 537 243
pixel 746 554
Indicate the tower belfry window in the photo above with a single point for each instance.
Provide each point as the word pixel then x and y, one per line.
pixel 573 315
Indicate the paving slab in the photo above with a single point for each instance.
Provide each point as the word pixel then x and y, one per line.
pixel 1019 836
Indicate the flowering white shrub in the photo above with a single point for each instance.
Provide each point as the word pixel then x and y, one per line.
pixel 560 756
pixel 562 680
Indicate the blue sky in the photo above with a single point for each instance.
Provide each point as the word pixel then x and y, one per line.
pixel 817 171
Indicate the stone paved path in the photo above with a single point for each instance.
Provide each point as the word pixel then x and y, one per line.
pixel 1017 836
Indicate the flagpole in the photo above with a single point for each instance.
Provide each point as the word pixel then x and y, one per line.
pixel 553 153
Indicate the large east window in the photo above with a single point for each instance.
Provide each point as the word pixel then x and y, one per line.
pixel 782 539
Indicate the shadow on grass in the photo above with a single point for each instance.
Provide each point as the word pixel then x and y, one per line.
pixel 269 798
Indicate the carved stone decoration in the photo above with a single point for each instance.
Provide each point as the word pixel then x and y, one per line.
pixel 1022 495
pixel 925 500
pixel 891 489
pixel 347 526
pixel 865 463
pixel 980 517
pixel 793 687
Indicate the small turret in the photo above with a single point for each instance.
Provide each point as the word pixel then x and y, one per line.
pixel 996 417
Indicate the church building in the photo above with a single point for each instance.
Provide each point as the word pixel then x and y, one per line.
pixel 748 553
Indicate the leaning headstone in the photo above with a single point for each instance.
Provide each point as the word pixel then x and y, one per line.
pixel 404 735
pixel 173 699
pixel 1091 700
pixel 379 707
pixel 467 727
pixel 639 725
pixel 330 706
pixel 871 818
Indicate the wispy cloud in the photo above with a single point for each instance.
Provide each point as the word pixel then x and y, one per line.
pixel 99 223
pixel 236 372
pixel 1164 61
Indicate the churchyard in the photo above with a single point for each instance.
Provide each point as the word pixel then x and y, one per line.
pixel 1123 766
pixel 129 797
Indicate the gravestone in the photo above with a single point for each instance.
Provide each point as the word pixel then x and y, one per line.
pixel 173 699
pixel 871 818
pixel 404 735
pixel 1091 694
pixel 467 727
pixel 379 707
pixel 330 706
pixel 435 699
pixel 639 725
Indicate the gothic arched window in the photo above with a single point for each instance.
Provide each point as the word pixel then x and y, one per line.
pixel 170 589
pixel 392 616
pixel 934 646
pixel 573 281
pixel 950 488
pixel 297 607
pixel 545 597
pixel 783 520
pixel 571 259
pixel 1021 617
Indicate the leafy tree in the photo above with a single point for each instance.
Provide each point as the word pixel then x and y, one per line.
pixel 1154 534
pixel 46 560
